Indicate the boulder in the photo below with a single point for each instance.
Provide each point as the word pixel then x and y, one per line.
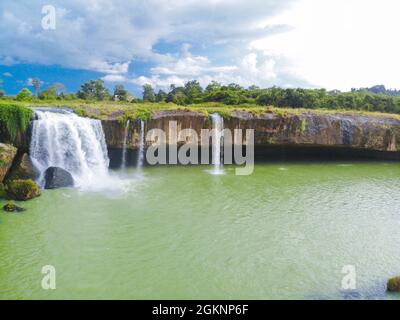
pixel 12 207
pixel 22 190
pixel 57 178
pixel 7 155
pixel 23 169
pixel 393 284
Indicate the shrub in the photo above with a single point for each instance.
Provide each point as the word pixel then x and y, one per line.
pixel 14 118
pixel 24 95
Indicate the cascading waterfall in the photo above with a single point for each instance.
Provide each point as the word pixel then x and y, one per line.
pixel 217 143
pixel 125 147
pixel 60 138
pixel 139 164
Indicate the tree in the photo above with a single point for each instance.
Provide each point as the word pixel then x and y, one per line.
pixel 179 98
pixel 120 93
pixel 36 84
pixel 93 90
pixel 193 92
pixel 161 96
pixel 24 95
pixel 213 86
pixel 53 92
pixel 148 93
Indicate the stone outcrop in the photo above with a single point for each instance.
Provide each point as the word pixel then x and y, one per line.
pixel 7 155
pixel 380 133
pixel 393 285
pixel 22 190
pixel 23 169
pixel 57 178
pixel 12 207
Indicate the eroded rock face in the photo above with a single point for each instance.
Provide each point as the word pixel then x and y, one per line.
pixel 310 128
pixel 23 169
pixel 57 178
pixel 7 155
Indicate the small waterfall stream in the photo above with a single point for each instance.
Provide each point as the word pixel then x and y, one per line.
pixel 140 161
pixel 125 146
pixel 60 138
pixel 217 143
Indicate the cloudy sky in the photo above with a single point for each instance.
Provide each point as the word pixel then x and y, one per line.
pixel 336 44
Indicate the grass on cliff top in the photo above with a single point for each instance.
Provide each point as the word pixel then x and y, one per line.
pixel 13 118
pixel 123 110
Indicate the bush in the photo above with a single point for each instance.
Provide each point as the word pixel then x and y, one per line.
pixel 24 95
pixel 14 118
pixel 22 190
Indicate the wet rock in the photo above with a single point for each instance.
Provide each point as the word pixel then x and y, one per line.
pixel 12 207
pixel 7 155
pixel 57 178
pixel 393 285
pixel 22 190
pixel 23 169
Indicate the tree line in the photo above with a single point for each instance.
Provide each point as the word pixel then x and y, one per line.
pixel 366 99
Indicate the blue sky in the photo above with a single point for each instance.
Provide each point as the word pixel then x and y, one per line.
pixel 337 44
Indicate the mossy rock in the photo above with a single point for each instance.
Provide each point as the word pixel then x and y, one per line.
pixel 22 190
pixel 12 207
pixel 393 284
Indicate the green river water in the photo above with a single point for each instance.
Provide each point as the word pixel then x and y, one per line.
pixel 284 232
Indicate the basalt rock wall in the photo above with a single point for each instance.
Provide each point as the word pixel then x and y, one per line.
pixel 379 133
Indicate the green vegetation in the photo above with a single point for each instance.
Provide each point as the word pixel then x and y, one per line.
pixel 95 101
pixel 375 99
pixel 13 118
pixel 93 90
pixel 24 95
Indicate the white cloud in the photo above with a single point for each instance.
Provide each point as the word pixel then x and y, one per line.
pixel 340 44
pixel 106 35
pixel 331 43
pixel 114 78
pixel 254 68
pixel 7 74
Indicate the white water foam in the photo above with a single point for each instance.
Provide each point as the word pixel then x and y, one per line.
pixel 60 138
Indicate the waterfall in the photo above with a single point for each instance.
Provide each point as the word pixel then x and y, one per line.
pixel 126 136
pixel 217 143
pixel 60 138
pixel 139 164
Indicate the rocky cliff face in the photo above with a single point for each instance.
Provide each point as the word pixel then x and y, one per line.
pixel 7 155
pixel 317 129
pixel 333 133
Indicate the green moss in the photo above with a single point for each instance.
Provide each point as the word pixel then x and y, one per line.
pixel 81 112
pixel 14 118
pixel 303 127
pixel 22 189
